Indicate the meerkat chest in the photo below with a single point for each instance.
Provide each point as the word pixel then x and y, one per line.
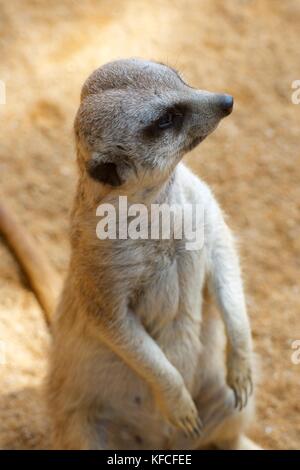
pixel 171 286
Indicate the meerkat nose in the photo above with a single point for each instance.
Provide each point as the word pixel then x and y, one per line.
pixel 226 104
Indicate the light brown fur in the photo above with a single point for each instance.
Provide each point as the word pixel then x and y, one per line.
pixel 134 361
pixel 140 356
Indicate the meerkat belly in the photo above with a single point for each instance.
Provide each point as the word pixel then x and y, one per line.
pixel 157 303
pixel 170 310
pixel 168 303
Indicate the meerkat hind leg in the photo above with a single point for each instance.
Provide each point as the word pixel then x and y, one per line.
pixel 223 424
pixel 101 433
pixel 227 425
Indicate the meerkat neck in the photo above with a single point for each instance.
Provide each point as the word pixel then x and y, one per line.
pixel 154 194
pixel 90 194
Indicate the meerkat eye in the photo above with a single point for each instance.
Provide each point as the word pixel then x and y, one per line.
pixel 166 121
pixel 170 119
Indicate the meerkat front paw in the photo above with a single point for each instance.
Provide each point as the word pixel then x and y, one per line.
pixel 179 409
pixel 239 378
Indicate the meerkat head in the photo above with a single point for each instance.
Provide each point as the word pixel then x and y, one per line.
pixel 137 119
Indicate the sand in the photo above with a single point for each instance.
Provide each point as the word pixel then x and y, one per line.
pixel 247 48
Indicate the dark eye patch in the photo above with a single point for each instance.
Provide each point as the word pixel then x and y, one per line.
pixel 166 121
pixel 172 119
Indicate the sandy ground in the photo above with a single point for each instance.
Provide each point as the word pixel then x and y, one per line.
pixel 247 48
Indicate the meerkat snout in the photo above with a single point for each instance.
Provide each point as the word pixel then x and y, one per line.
pixel 138 118
pixel 226 104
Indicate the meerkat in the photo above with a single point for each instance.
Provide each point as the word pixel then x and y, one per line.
pixel 141 358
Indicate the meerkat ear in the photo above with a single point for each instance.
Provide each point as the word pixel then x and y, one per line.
pixel 102 167
pixel 104 172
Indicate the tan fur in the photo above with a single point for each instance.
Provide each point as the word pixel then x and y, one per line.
pixel 139 359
